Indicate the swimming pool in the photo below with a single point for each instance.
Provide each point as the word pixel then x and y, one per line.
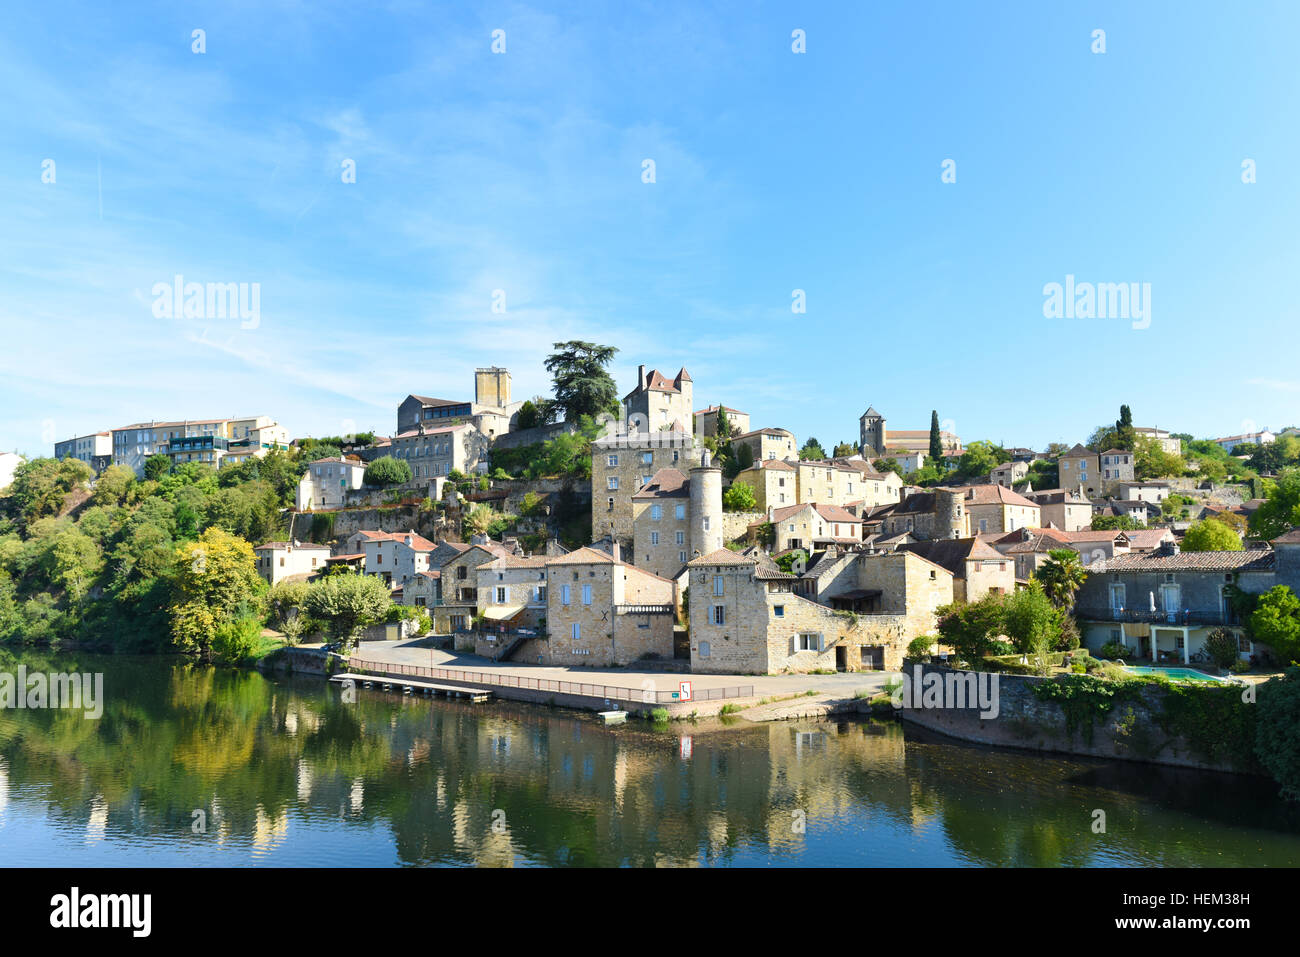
pixel 1173 674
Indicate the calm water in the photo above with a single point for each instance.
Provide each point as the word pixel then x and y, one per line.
pixel 287 774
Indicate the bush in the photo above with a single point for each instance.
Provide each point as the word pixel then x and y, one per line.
pixel 659 715
pixel 1221 646
pixel 919 647
pixel 738 498
pixel 387 470
pixel 1239 666
pixel 1111 650
pixel 236 640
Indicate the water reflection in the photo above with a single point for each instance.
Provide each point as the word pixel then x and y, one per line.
pixel 285 773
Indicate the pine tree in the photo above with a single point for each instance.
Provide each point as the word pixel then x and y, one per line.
pixel 724 425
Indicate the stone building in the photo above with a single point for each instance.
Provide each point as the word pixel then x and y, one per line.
pixel 326 483
pixel 934 514
pixel 601 612
pixel 994 508
pixel 976 567
pixel 746 616
pixel 1080 467
pixel 706 421
pixel 768 444
pixel 1067 509
pixel 675 518
pixel 841 481
pixel 278 561
pixel 871 434
pixel 1162 605
pixel 512 592
pixel 813 524
pixel 621 465
pixel 1010 474
pixel 659 403
pixel 437 451
pixel 1117 466
pixel 459 576
pixel 775 483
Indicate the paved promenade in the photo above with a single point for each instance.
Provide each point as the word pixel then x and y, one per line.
pixel 415 652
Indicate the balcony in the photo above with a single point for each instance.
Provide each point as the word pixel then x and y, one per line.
pixel 1182 616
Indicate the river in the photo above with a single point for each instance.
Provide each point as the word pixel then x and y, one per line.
pixel 193 766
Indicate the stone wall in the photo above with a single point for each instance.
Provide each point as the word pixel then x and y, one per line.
pixel 735 525
pixel 1130 732
pixel 1228 494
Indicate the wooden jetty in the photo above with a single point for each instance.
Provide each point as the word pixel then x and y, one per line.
pixel 411 685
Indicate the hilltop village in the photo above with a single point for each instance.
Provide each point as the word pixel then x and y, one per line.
pixel 656 528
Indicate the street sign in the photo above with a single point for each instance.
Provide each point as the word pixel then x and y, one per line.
pixel 685 692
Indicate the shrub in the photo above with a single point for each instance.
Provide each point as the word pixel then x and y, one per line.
pixel 387 470
pixel 919 647
pixel 1221 646
pixel 659 715
pixel 1111 650
pixel 236 640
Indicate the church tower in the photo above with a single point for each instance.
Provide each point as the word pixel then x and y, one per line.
pixel 871 433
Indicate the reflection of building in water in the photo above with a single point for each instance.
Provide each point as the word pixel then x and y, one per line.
pixel 356 797
pixel 4 788
pixel 269 831
pixel 304 781
pixel 97 823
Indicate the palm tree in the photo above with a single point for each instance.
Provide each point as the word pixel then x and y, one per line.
pixel 1062 575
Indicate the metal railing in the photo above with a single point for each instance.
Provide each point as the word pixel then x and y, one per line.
pixel 1182 616
pixel 644 609
pixel 382 669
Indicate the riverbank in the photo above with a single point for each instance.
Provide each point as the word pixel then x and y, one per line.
pixel 752 697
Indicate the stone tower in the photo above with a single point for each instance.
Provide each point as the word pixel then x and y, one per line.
pixel 492 387
pixel 871 432
pixel 706 507
pixel 950 520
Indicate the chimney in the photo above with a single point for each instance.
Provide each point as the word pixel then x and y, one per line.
pixel 640 377
pixel 1168 549
pixel 617 551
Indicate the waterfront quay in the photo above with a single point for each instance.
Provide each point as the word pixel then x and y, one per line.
pixel 598 689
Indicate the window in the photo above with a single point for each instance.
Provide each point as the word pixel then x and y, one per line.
pixel 611 504
pixel 681 538
pixel 564 594
pixel 612 483
pixel 681 511
pixel 647 458
pixel 654 538
pixel 681 557
pixel 656 512
pixel 778 611
pixel 808 642
pixel 719 615
pixel 645 479
pixel 501 595
pixel 612 461
pixel 577 631
pixel 586 594
pixel 706 523
pixel 717 584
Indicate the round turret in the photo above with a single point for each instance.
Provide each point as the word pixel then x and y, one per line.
pixel 706 507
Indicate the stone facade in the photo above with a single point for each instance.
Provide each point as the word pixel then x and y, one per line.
pixel 995 509
pixel 706 421
pixel 659 403
pixel 768 445
pixel 775 483
pixel 935 514
pixel 1067 509
pixel 1079 467
pixel 277 561
pixel 620 465
pixel 603 612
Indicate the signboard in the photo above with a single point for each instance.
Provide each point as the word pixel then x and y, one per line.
pixel 685 690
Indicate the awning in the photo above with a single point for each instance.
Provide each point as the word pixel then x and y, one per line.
pixel 502 612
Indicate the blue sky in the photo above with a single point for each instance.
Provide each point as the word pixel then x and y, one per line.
pixel 775 171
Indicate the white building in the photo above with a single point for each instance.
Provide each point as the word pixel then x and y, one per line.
pixel 326 483
pixel 277 561
pixel 95 449
pixel 9 461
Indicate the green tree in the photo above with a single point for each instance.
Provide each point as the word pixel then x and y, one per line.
pixel 1061 576
pixel 39 487
pixel 348 603
pixel 1276 622
pixel 723 429
pixel 1150 460
pixel 77 562
pixel 1211 536
pixel 1125 434
pixel 812 451
pixel 1276 455
pixel 744 456
pixel 1111 523
pixel 113 485
pixel 936 440
pixel 1029 620
pixel 844 450
pixel 1277 744
pixel 888 465
pixel 387 470
pixel 1103 438
pixel 156 466
pixel 1280 510
pixel 971 628
pixel 529 416
pixel 1221 646
pixel 582 386
pixel 213 577
pixel 738 498
pixel 980 458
